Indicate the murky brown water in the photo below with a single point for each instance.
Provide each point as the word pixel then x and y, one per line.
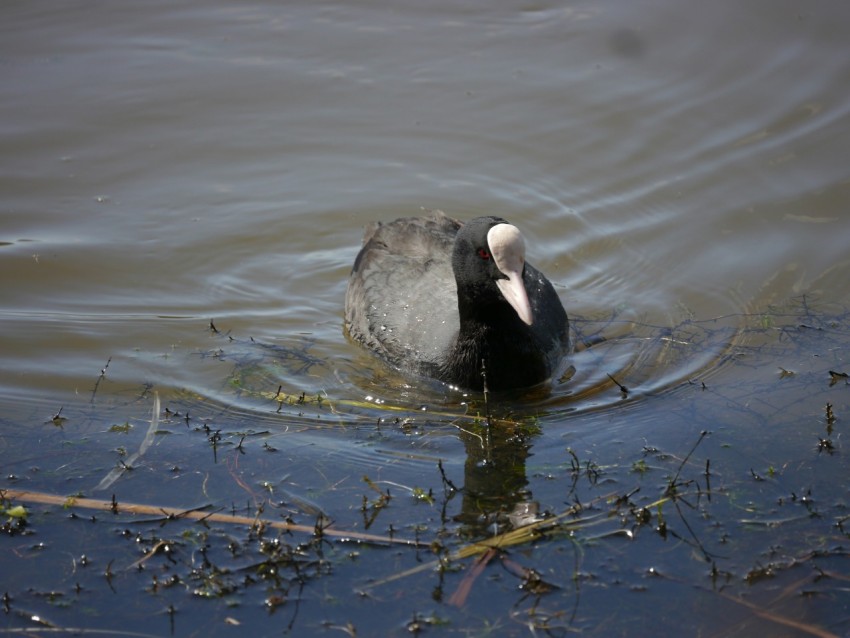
pixel 679 171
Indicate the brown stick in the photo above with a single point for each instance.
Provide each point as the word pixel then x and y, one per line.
pixel 196 515
pixel 458 598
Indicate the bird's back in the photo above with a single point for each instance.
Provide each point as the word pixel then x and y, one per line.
pixel 402 297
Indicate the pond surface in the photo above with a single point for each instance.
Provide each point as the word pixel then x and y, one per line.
pixel 184 190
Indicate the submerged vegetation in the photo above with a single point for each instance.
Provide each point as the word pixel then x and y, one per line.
pixel 539 525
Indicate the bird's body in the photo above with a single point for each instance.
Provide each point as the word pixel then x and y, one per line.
pixel 451 301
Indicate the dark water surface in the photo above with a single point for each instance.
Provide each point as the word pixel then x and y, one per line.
pixel 680 173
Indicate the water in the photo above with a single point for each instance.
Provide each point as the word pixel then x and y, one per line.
pixel 684 187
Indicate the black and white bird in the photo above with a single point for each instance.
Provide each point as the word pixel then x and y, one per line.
pixel 457 302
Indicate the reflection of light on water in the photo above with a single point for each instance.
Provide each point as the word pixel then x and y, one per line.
pixel 629 360
pixel 615 361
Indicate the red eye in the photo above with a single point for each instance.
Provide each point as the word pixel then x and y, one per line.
pixel 482 252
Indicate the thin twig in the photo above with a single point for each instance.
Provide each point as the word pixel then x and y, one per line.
pixel 193 514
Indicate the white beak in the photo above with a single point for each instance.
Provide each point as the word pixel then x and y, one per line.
pixel 514 293
pixel 508 249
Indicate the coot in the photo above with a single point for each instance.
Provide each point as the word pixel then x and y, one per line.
pixel 456 302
